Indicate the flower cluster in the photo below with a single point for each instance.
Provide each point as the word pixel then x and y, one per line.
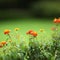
pixel 31 32
pixel 57 20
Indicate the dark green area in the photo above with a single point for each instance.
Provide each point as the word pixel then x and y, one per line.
pixel 29 9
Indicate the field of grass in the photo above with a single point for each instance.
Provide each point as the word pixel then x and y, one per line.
pixel 25 25
pixel 28 39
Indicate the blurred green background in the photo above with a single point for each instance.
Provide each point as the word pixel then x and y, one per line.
pixel 29 8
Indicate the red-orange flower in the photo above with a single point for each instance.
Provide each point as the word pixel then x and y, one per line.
pixel 29 32
pixel 34 34
pixel 3 43
pixel 6 31
pixel 57 20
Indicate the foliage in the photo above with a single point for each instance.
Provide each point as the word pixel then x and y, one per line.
pixel 34 49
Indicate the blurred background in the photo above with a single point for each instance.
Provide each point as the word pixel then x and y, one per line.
pixel 29 8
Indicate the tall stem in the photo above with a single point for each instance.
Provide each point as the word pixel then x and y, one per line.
pixel 9 36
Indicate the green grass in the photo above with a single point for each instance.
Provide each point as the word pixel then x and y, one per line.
pixel 25 25
pixel 42 44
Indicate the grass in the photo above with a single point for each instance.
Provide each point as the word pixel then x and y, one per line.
pixel 42 45
pixel 25 25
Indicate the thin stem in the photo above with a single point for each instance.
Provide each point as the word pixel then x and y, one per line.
pixel 9 36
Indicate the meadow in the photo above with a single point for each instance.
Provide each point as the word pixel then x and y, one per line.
pixel 30 39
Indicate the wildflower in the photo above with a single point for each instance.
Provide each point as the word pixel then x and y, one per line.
pixel 57 20
pixel 34 34
pixel 41 30
pixel 6 31
pixel 3 43
pixel 16 29
pixel 29 32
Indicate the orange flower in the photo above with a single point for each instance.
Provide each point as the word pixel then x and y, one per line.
pixel 6 31
pixel 3 43
pixel 29 32
pixel 34 34
pixel 57 20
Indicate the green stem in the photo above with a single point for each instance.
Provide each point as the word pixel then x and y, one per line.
pixel 9 36
pixel 55 55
